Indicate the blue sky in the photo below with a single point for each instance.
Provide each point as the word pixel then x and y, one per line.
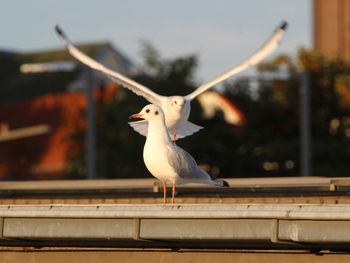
pixel 222 32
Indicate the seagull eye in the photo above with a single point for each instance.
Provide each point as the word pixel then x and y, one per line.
pixel 175 102
pixel 147 111
pixel 156 113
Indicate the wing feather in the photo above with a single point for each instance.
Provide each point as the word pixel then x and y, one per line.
pixel 266 49
pixel 185 166
pixel 187 129
pixel 115 76
pixel 140 126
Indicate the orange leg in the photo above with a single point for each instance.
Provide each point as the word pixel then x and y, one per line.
pixel 164 193
pixel 174 137
pixel 173 193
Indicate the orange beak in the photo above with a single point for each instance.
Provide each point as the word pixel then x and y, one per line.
pixel 136 116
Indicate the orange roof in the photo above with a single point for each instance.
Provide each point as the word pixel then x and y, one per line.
pixel 44 155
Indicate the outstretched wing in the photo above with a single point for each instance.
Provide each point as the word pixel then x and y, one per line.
pixel 140 126
pixel 115 76
pixel 266 49
pixel 186 130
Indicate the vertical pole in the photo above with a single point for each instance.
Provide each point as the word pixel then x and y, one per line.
pixel 90 144
pixel 305 126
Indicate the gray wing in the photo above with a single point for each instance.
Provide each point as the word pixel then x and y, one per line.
pixel 185 166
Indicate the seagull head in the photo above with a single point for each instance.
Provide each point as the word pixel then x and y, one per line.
pixel 178 102
pixel 149 112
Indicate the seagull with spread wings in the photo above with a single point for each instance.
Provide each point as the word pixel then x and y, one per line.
pixel 176 108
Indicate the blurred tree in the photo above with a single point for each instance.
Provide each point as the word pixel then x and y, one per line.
pixel 329 109
pixel 268 143
pixel 330 113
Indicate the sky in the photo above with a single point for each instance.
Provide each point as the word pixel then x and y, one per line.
pixel 222 33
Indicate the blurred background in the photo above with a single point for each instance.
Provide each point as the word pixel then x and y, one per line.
pixel 289 116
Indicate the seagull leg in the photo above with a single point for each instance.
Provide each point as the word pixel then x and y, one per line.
pixel 174 137
pixel 173 193
pixel 164 193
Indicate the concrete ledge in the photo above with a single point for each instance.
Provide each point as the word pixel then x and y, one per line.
pixel 152 184
pixel 238 226
pixel 314 231
pixel 68 228
pixel 206 229
pixel 259 211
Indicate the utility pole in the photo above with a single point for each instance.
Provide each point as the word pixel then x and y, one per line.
pixel 305 125
pixel 90 136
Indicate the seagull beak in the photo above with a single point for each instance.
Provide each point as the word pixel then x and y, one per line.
pixel 136 116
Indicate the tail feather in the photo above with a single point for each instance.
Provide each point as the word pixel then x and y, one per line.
pixel 219 182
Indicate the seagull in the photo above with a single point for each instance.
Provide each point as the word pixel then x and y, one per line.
pixel 165 160
pixel 176 108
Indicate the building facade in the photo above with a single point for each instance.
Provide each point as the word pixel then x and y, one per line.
pixel 332 28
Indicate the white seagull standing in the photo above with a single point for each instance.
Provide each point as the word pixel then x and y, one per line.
pixel 176 108
pixel 165 160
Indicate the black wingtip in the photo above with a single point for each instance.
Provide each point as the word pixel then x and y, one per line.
pixel 225 184
pixel 284 25
pixel 59 30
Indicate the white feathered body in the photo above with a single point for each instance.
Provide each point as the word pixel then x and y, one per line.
pixel 155 154
pixel 174 119
pixel 168 162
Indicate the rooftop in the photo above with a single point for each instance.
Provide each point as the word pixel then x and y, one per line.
pixel 15 85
